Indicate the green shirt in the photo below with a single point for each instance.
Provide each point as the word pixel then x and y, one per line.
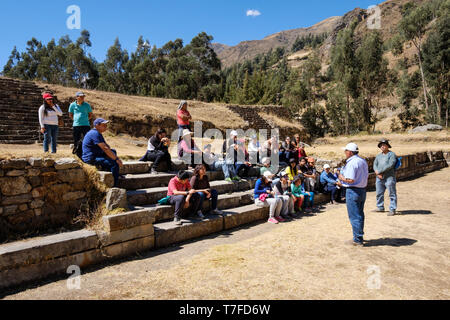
pixel 80 114
pixel 385 164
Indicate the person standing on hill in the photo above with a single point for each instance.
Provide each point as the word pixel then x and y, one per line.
pixel 81 113
pixel 354 177
pixel 48 119
pixel 183 117
pixel 384 167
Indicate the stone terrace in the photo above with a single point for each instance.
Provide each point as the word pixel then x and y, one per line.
pixel 19 121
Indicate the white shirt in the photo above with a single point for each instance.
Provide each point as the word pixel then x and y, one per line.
pixel 52 116
pixel 356 169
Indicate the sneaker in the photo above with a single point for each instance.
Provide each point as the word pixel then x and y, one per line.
pixel 228 180
pixel 353 243
pixel 153 171
pixel 200 215
pixel 280 219
pixel 236 178
pixel 273 220
pixel 378 210
pixel 308 210
pixel 177 221
pixel 391 213
pixel 217 211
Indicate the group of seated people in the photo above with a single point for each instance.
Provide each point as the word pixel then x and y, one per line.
pixel 287 192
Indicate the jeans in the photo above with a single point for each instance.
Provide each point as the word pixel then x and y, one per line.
pixel 356 198
pixel 50 134
pixel 335 192
pixel 78 132
pixel 214 196
pixel 181 128
pixel 179 201
pixel 158 156
pixel 275 204
pixel 388 183
pixel 309 199
pixel 229 171
pixel 110 165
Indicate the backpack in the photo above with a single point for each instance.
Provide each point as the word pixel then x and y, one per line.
pixel 78 148
pixel 398 164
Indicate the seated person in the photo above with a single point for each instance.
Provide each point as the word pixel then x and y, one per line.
pixel 292 170
pixel 214 164
pixel 97 152
pixel 268 167
pixel 182 196
pixel 311 176
pixel 235 152
pixel 331 184
pixel 200 183
pixel 158 150
pixel 303 197
pixel 187 149
pixel 288 150
pixel 282 189
pixel 265 197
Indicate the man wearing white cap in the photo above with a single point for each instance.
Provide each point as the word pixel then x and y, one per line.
pixel 354 178
pixel 234 151
pixel 330 183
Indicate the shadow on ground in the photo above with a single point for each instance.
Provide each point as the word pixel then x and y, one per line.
pixel 393 242
pixel 405 212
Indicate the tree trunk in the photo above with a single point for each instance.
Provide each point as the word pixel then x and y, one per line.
pixel 347 115
pixel 423 78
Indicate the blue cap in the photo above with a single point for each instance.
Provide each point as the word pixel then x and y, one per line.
pixel 99 121
pixel 79 94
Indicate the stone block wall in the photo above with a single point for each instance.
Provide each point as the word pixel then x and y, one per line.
pixel 38 194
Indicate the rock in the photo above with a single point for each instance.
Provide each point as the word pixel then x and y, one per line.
pixel 49 178
pixel 48 162
pixel 106 178
pixel 2 173
pixel 428 127
pixel 14 164
pixel 38 192
pixel 37 203
pixel 66 163
pixel 116 198
pixel 34 181
pixel 1 211
pixel 12 186
pixel 23 198
pixel 23 207
pixel 72 175
pixel 74 195
pixel 10 209
pixel 38 212
pixel 15 173
pixel 33 172
pixel 35 162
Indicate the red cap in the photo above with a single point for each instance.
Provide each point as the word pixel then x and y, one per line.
pixel 47 96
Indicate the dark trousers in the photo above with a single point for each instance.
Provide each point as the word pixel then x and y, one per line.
pixel 108 164
pixel 242 169
pixel 78 132
pixel 335 192
pixel 158 156
pixel 179 201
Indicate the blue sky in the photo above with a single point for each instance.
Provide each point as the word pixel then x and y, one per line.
pixel 160 21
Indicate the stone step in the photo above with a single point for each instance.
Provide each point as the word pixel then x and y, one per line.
pixel 153 195
pixel 168 233
pixel 225 201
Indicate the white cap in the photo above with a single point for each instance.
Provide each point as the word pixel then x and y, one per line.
pixel 268 175
pixel 266 160
pixel 234 133
pixel 186 132
pixel 352 147
pixel 326 166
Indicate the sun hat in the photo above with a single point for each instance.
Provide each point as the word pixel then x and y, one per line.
pixel 326 166
pixel 384 141
pixel 352 147
pixel 265 160
pixel 99 121
pixel 233 133
pixel 79 94
pixel 186 132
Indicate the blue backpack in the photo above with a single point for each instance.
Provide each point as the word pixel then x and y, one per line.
pixel 398 164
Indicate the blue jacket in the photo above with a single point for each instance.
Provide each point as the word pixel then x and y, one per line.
pixel 261 188
pixel 327 179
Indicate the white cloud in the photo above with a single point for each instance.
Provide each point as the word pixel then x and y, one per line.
pixel 253 13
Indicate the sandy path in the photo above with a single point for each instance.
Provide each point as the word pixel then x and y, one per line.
pixel 303 259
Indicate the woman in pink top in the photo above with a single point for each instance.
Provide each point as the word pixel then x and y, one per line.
pixel 183 117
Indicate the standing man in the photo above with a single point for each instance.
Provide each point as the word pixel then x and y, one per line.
pixel 384 167
pixel 354 178
pixel 80 112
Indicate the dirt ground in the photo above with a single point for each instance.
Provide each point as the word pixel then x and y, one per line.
pixel 405 257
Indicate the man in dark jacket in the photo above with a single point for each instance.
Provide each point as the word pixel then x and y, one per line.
pixel 158 151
